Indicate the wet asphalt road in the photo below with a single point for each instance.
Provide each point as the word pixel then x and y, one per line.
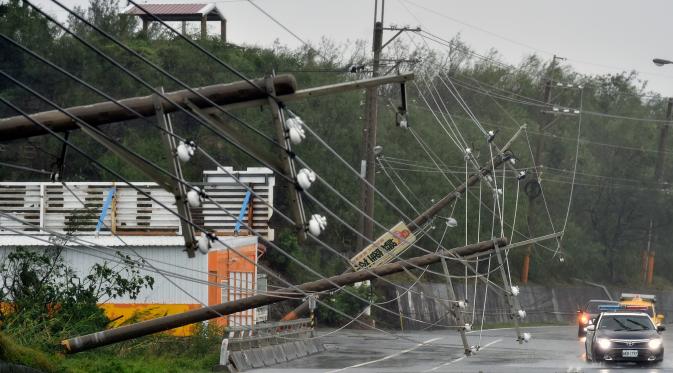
pixel 552 349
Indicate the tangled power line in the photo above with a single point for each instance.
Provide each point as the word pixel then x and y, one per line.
pixel 435 103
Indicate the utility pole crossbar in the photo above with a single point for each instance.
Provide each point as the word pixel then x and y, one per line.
pixel 160 324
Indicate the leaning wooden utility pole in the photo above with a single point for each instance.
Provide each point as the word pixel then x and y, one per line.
pixel 160 324
pixel 648 258
pixel 180 190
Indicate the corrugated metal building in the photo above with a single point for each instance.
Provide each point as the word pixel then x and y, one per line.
pixel 138 227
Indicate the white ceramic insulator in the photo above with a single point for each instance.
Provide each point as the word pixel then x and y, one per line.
pixel 317 224
pixel 451 222
pixel 290 123
pixel 297 135
pixel 185 152
pixel 305 178
pixel 515 290
pixel 204 244
pixel 194 198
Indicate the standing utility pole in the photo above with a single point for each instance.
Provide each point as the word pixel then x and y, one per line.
pixel 648 258
pixel 368 158
pixel 367 150
pixel 533 188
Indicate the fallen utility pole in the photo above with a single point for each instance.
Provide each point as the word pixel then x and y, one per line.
pixel 108 112
pixel 228 96
pixel 196 102
pixel 428 214
pixel 160 324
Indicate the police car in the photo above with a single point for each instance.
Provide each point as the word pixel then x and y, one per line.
pixel 621 334
pixel 589 312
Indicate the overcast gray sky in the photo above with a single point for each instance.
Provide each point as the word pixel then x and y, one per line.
pixel 597 36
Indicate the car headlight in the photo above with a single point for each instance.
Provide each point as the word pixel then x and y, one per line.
pixel 654 344
pixel 603 343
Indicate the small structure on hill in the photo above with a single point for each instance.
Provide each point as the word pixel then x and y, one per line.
pixel 180 13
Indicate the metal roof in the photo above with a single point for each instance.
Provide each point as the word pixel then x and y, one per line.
pixel 174 11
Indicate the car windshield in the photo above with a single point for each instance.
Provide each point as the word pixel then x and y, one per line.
pixel 626 323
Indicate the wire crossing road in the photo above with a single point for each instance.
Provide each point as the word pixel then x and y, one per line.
pixel 552 349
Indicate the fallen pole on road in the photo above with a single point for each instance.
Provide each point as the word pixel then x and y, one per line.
pixel 433 210
pixel 160 324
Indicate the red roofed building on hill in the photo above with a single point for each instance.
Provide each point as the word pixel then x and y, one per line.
pixel 180 13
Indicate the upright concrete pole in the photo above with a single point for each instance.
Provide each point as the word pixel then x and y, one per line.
pixel 368 160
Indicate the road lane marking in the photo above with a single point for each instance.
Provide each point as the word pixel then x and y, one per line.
pixel 389 356
pixel 461 358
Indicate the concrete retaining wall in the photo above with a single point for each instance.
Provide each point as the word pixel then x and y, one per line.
pixel 542 304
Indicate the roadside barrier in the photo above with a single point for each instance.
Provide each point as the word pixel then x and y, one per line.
pixel 267 344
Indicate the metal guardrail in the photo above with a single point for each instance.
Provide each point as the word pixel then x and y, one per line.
pixel 244 337
pixel 267 344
